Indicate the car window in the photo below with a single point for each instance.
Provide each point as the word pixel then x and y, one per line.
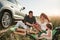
pixel 13 1
pixel 0 5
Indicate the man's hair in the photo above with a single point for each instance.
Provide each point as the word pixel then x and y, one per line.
pixel 49 26
pixel 30 12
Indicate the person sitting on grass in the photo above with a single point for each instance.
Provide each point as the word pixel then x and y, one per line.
pixel 27 24
pixel 48 35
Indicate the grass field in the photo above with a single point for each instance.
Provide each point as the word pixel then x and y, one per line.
pixel 55 21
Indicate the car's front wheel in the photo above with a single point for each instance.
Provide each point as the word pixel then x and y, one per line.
pixel 6 19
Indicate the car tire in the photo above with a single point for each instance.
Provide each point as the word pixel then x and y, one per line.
pixel 5 19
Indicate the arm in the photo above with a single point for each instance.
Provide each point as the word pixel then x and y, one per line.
pixel 47 35
pixel 26 21
pixel 37 26
pixel 29 24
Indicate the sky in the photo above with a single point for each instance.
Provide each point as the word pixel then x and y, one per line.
pixel 49 7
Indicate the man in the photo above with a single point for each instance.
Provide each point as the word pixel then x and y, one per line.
pixel 29 20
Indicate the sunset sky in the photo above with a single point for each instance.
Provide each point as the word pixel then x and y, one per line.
pixel 49 7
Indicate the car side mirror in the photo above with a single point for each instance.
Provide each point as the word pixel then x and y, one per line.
pixel 22 8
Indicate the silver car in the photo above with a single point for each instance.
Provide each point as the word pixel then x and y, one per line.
pixel 10 11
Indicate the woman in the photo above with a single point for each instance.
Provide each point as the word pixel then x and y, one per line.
pixel 43 21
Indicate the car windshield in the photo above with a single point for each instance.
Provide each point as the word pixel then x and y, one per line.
pixel 13 1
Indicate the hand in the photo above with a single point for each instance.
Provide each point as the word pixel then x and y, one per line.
pixel 32 24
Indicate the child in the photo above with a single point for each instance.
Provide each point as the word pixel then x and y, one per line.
pixel 48 35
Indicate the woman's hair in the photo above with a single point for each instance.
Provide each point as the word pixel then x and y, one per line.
pixel 45 16
pixel 49 26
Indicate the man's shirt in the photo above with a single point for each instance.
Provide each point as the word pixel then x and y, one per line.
pixel 30 20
